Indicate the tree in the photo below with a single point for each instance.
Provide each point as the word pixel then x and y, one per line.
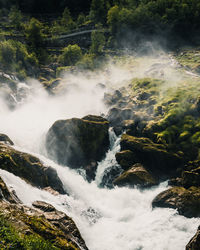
pixel 34 33
pixel 7 55
pixel 98 11
pixel 66 19
pixel 71 55
pixel 98 41
pixel 15 17
pixel 113 18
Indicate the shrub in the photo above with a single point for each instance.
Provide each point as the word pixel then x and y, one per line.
pixel 98 41
pixel 70 55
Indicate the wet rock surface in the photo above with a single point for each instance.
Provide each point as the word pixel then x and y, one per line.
pixel 194 243
pixel 136 175
pixel 29 168
pixel 79 142
pixel 186 201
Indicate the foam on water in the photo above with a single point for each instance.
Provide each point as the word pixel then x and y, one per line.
pixel 120 218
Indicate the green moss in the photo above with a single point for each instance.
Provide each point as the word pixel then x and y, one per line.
pixel 11 239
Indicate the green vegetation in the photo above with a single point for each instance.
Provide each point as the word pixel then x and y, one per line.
pixel 175 121
pixel 70 55
pixel 14 57
pixel 11 239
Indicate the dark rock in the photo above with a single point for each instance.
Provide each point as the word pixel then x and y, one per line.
pixel 44 222
pixel 117 116
pixel 113 98
pixel 6 194
pixel 191 178
pixel 79 142
pixel 154 157
pixel 194 243
pixel 110 174
pixel 126 159
pixel 45 207
pixel 62 222
pixel 4 138
pixel 136 175
pixel 143 96
pixel 186 201
pixel 29 168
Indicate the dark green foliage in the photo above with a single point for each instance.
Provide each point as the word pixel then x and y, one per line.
pixel 34 34
pixel 67 20
pixel 70 55
pixel 98 41
pixel 14 57
pixel 179 17
pixel 15 17
pixel 11 239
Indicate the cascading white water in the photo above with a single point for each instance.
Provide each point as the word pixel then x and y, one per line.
pixel 119 218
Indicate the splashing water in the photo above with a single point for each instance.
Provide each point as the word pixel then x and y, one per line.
pixel 119 218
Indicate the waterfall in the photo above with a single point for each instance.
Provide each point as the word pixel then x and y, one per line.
pixel 117 218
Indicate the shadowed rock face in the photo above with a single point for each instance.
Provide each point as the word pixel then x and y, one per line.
pixel 4 138
pixel 79 142
pixel 6 194
pixel 62 222
pixel 29 168
pixel 186 201
pixel 154 157
pixel 194 243
pixel 44 222
pixel 136 175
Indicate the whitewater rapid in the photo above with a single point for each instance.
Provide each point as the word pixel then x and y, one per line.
pixel 119 218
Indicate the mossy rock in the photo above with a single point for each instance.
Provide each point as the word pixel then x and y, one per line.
pixel 186 201
pixel 78 142
pixel 191 178
pixel 126 159
pixel 5 193
pixel 194 243
pixel 52 228
pixel 154 157
pixel 136 175
pixel 29 168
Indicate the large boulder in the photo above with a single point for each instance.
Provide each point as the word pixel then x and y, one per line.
pixel 136 175
pixel 29 168
pixel 154 157
pixel 62 222
pixel 79 142
pixel 194 243
pixel 40 226
pixel 186 201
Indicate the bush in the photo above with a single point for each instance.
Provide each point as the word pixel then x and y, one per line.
pixel 15 17
pixel 14 57
pixel 34 34
pixel 7 55
pixel 98 41
pixel 70 55
pixel 87 62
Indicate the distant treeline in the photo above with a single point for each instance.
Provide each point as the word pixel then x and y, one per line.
pixel 180 18
pixel 47 6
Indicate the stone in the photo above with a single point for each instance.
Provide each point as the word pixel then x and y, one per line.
pixel 136 175
pixel 6 194
pixel 4 138
pixel 29 168
pixel 126 159
pixel 194 243
pixel 154 157
pixel 45 222
pixel 79 142
pixel 186 201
